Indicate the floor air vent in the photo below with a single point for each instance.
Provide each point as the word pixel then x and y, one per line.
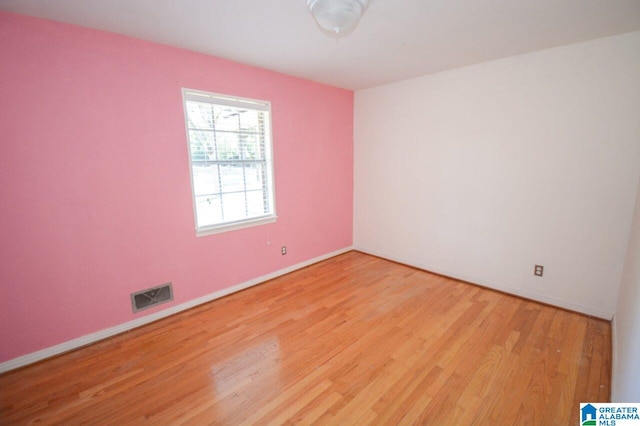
pixel 151 297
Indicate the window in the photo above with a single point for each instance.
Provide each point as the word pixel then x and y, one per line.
pixel 230 157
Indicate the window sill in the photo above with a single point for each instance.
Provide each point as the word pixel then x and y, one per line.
pixel 235 225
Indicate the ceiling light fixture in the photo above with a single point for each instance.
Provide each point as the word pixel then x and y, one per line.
pixel 337 17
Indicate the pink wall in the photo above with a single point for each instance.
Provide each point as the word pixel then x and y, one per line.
pixel 94 179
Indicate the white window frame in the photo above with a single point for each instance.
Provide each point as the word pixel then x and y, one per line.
pixel 233 101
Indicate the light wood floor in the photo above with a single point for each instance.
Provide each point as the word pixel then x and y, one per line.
pixel 352 340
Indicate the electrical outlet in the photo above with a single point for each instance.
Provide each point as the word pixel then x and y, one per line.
pixel 283 249
pixel 537 271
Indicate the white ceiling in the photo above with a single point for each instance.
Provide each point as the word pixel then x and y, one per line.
pixel 396 39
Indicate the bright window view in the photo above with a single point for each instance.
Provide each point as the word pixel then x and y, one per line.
pixel 230 152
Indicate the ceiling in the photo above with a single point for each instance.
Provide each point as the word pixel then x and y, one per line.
pixel 395 40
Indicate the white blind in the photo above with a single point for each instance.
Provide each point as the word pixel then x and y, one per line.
pixel 200 96
pixel 230 157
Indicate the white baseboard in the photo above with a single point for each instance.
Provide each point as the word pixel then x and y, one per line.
pixel 496 286
pixel 103 334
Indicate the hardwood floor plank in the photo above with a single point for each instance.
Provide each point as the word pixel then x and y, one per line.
pixel 352 340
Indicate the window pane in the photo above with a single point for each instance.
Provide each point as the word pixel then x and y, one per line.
pixel 251 147
pixel 202 145
pixel 256 203
pixel 232 177
pixel 199 115
pixel 226 118
pixel 205 179
pixel 208 210
pixel 234 206
pixel 228 146
pixel 254 176
pixel 251 121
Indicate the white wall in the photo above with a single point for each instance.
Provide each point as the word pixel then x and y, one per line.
pixel 481 172
pixel 626 324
